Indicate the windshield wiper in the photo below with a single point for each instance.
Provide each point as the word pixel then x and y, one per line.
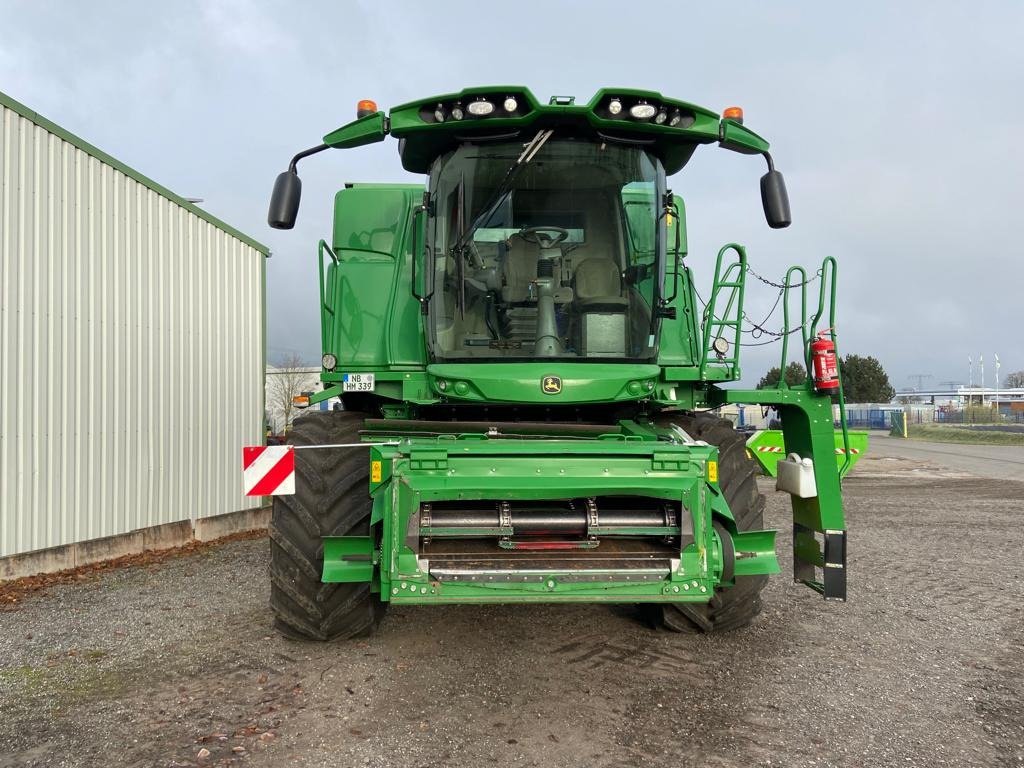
pixel 503 189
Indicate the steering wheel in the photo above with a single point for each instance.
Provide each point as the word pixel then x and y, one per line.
pixel 542 235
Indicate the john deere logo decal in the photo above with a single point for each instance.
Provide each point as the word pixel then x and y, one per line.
pixel 551 385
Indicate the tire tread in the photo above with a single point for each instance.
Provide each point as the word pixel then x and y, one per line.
pixel 330 500
pixel 729 607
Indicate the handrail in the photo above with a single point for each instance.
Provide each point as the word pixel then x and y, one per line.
pixel 787 284
pixel 828 277
pixel 829 270
pixel 325 307
pixel 733 279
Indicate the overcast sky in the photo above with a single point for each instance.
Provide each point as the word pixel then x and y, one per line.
pixel 899 127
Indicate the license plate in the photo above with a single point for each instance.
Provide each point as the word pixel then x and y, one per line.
pixel 357 382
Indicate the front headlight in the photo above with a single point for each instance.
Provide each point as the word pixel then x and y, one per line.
pixel 480 108
pixel 642 111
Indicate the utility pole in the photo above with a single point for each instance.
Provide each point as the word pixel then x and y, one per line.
pixel 996 396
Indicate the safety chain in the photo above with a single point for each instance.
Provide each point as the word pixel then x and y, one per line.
pixel 757 330
pixel 782 286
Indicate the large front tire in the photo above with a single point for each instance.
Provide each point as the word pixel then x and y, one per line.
pixel 730 607
pixel 331 499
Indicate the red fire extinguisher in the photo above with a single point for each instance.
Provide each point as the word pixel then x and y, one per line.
pixel 823 360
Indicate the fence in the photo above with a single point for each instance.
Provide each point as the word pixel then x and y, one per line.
pixel 869 418
pixel 979 416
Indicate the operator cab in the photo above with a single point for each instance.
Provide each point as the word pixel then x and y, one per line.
pixel 548 249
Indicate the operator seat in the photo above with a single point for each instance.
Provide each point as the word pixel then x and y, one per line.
pixel 518 269
pixel 599 286
pixel 601 307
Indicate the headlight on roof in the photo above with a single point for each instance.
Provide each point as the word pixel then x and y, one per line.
pixel 480 108
pixel 642 111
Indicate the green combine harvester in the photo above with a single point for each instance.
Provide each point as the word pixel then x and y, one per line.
pixel 529 377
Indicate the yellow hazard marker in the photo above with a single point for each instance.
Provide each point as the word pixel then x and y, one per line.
pixel 375 471
pixel 712 471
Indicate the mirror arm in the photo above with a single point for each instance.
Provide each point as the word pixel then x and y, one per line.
pixel 306 153
pixel 768 158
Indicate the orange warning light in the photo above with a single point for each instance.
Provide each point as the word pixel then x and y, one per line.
pixel 366 107
pixel 733 113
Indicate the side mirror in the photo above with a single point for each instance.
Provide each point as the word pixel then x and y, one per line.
pixel 284 202
pixel 775 200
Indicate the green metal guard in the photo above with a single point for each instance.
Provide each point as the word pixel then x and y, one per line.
pixel 786 329
pixel 827 273
pixel 733 280
pixel 828 277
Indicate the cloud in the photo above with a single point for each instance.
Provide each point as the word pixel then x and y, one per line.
pixel 896 126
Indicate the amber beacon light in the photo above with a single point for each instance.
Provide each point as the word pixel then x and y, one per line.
pixel 366 107
pixel 733 113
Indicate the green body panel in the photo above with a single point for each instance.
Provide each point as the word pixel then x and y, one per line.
pixel 767 447
pixel 807 430
pixel 348 559
pixel 522 382
pixel 372 241
pixel 366 130
pixel 743 140
pixel 425 470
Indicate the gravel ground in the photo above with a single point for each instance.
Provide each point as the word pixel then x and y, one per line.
pixel 150 666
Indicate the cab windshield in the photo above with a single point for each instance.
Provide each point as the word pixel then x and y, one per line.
pixel 552 255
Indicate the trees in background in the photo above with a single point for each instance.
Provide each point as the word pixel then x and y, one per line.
pixel 287 380
pixel 795 374
pixel 864 379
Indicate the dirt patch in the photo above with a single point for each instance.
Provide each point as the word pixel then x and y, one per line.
pixel 14 591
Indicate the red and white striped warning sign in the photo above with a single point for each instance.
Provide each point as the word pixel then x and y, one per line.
pixel 841 452
pixel 268 470
pixel 769 449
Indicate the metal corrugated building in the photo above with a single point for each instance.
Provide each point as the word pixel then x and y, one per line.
pixel 131 346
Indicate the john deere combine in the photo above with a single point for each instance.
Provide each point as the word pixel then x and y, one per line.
pixel 529 377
